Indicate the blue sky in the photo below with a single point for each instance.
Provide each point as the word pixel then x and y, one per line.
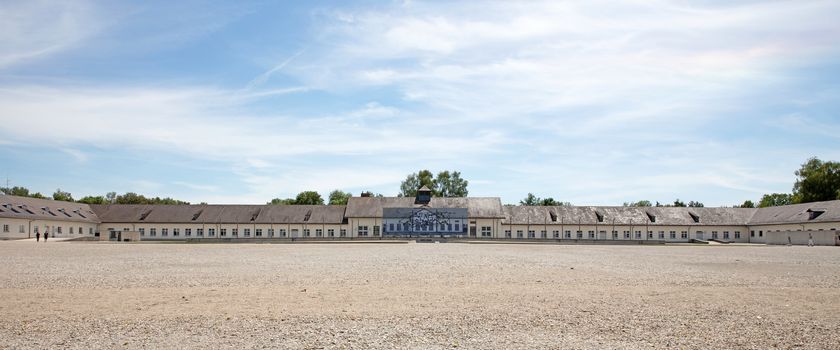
pixel 596 102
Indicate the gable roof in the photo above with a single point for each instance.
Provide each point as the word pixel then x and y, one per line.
pixel 798 213
pixel 214 214
pixel 45 209
pixel 592 215
pixel 477 207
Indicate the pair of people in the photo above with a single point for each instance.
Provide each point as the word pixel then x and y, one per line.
pixel 38 237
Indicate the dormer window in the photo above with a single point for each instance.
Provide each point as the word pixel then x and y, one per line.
pixel 694 217
pixel 254 215
pixel 600 216
pixel 651 217
pixel 146 214
pixel 815 213
pixel 553 215
pixel 196 215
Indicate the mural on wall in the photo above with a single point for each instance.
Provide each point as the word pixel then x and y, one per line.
pixel 424 221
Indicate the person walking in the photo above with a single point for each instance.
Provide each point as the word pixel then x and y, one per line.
pixel 46 235
pixel 37 237
pixel 810 240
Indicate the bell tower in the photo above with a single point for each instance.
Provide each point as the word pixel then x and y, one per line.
pixel 424 196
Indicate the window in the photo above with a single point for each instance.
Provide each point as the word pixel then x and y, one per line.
pixel 176 232
pixel 246 232
pixel 164 232
pixel 638 234
pixel 211 232
pixel 391 227
pixel 683 234
pixel 80 230
pixel 568 234
pixel 152 232
pixel 737 234
pixel 90 230
pixel 71 229
pixel 650 234
pixel 626 234
pixel 320 233
pixel 661 234
pixel 281 232
pixel 760 233
pixel 271 232
pixel 5 228
pixel 486 232
pixel 518 233
pixel 222 232
pixel 591 234
pixel 725 234
pixel 199 232
pixel 306 232
pixel 457 227
pixel 615 234
pixel 363 231
pixel 58 229
pixel 555 234
pixel 36 229
pixel 531 234
pixel 331 232
pixel 342 232
pixel 580 234
pixel 258 232
pixel 142 231
pixel 507 234
pixel 672 234
pixel 752 233
pixel 187 232
pixel 22 229
pixel 714 235
pixel 543 234
pixel 234 232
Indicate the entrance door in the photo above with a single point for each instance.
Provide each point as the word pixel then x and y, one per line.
pixel 700 235
pixel 472 231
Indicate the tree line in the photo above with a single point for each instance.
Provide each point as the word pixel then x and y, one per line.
pixel 816 180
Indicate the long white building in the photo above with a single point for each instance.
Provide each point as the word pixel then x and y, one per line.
pixel 386 217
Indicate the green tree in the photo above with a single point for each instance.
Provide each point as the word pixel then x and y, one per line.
pixel 130 198
pixel 530 199
pixel 747 204
pixel 93 200
pixel 641 203
pixel 60 195
pixel 285 201
pixel 338 197
pixel 370 194
pixel 775 199
pixel 413 182
pixel 309 197
pixel 111 197
pixel 694 204
pixel 817 181
pixel 16 191
pixel 450 184
pixel 678 203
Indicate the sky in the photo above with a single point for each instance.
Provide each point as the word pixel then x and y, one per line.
pixel 590 102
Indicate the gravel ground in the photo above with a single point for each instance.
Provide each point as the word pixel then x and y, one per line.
pixel 417 296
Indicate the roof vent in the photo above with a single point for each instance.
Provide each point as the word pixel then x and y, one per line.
pixel 255 214
pixel 146 214
pixel 600 216
pixel 307 216
pixel 694 217
pixel 652 217
pixel 26 208
pixel 197 214
pixel 815 213
pixel 61 210
pixel 553 215
pixel 79 213
pixel 46 209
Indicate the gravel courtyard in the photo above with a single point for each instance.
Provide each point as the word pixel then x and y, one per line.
pixel 423 296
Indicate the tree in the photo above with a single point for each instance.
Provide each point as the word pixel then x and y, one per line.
pixel 446 184
pixel 16 191
pixel 286 201
pixel 678 203
pixel 817 181
pixel 641 203
pixel 60 195
pixel 130 198
pixel 694 204
pixel 309 197
pixel 338 197
pixel 530 199
pixel 775 199
pixel 747 204
pixel 370 194
pixel 93 200
pixel 111 197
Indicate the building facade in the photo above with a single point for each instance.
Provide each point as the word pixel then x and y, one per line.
pixel 423 216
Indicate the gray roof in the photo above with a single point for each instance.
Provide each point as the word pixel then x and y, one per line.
pixel 586 215
pixel 371 207
pixel 798 213
pixel 45 209
pixel 208 214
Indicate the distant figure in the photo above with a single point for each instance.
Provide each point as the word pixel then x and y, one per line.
pixel 789 243
pixel 38 237
pixel 810 240
pixel 46 235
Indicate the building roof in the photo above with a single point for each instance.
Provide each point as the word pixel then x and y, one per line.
pixel 45 209
pixel 828 211
pixel 210 214
pixel 477 207
pixel 590 215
